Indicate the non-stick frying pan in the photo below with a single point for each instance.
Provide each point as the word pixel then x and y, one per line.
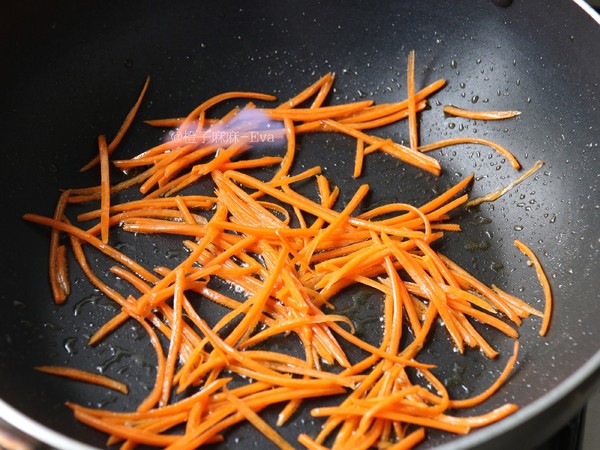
pixel 72 69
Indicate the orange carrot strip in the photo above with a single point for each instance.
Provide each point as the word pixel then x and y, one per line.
pixel 348 411
pixel 323 91
pixel 309 443
pixel 104 187
pixel 464 277
pixel 386 120
pixel 56 266
pixel 126 432
pixel 258 423
pixel 479 115
pixel 481 420
pixel 543 279
pixel 176 337
pixel 409 441
pixel 308 92
pixel 290 152
pixel 471 140
pixel 227 96
pixel 412 108
pixel 62 270
pixel 154 396
pixel 517 303
pixel 359 158
pixel 123 129
pixel 503 190
pixel 406 154
pixel 84 236
pixel 466 403
pixel 83 375
pixel 323 112
pixel 375 112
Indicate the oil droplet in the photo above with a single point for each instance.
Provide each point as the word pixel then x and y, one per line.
pixel 453 64
pixel 117 355
pixel 475 99
pixel 53 326
pixel 518 227
pixel 497 267
pixel 69 345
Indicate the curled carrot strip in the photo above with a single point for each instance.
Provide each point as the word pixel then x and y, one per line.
pixel 123 129
pixel 471 140
pixel 541 274
pixel 82 375
pixel 500 192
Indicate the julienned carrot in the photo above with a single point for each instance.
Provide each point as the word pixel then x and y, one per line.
pixel 82 375
pixel 359 157
pixel 57 261
pixel 503 190
pixel 104 187
pixel 289 255
pixel 471 140
pixel 543 281
pixel 404 153
pixel 412 107
pixel 124 127
pixel 493 388
pixel 259 423
pixel 479 115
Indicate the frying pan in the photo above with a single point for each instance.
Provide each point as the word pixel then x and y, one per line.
pixel 72 69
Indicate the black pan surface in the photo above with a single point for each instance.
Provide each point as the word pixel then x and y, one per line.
pixel 73 69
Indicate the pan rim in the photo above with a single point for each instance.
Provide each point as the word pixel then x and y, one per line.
pixel 35 430
pixel 586 374
pixel 588 9
pixel 586 379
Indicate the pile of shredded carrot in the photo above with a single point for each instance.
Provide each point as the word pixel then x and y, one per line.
pixel 290 255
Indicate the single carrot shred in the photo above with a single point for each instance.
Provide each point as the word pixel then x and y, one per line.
pixel 82 375
pixel 541 274
pixel 479 115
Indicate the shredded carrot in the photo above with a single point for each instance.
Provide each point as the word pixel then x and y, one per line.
pixel 412 108
pixel 359 158
pixel 57 255
pixel 288 254
pixel 259 423
pixel 471 140
pixel 123 129
pixel 82 375
pixel 500 192
pixel 479 115
pixel 541 274
pixel 105 188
